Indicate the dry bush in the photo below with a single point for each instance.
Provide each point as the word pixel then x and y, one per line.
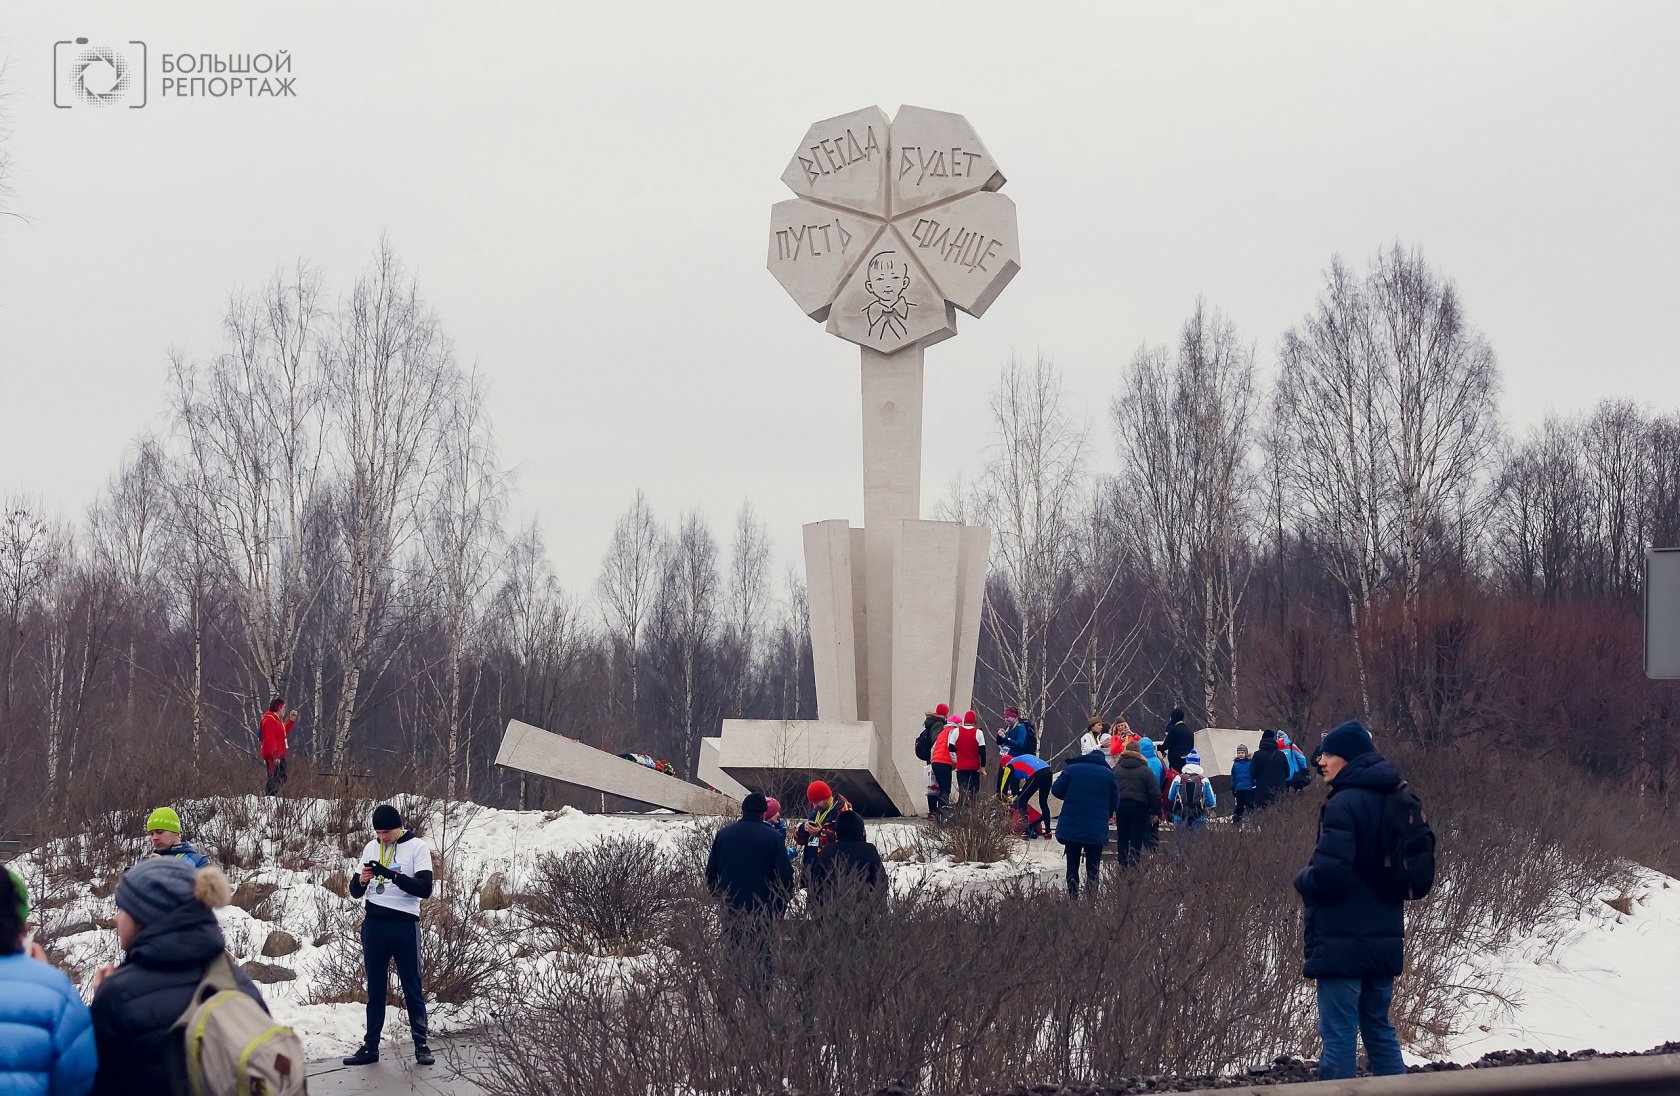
pixel 1175 967
pixel 979 830
pixel 614 893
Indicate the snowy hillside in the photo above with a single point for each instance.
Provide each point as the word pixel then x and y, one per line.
pixel 1609 987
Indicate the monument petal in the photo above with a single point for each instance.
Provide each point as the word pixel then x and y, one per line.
pixel 937 156
pixel 970 246
pixel 843 161
pixel 889 302
pixel 812 249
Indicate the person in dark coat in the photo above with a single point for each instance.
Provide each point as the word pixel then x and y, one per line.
pixel 166 924
pixel 748 868
pixel 1178 739
pixel 1270 770
pixel 1355 938
pixel 1140 805
pixel 1090 796
pixel 850 857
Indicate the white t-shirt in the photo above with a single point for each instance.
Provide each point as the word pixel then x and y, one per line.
pixel 407 857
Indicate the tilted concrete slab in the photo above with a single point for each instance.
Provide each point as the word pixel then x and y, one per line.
pixel 709 771
pixel 767 754
pixel 534 750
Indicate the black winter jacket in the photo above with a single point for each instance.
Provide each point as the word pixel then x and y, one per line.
pixel 1351 932
pixel 851 855
pixel 748 867
pixel 1270 770
pixel 141 1000
pixel 1137 782
pixel 1180 740
pixel 1089 796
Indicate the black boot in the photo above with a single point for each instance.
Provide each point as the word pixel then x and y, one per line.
pixel 423 1053
pixel 366 1055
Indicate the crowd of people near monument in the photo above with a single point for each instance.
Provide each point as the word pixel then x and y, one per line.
pixel 1374 850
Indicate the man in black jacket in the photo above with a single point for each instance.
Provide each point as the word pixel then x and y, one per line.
pixel 748 869
pixel 1179 739
pixel 1270 770
pixel 166 925
pixel 1355 937
pixel 394 875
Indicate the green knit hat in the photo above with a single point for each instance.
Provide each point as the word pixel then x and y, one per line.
pixel 164 818
pixel 21 890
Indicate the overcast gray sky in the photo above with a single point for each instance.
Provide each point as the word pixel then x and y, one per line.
pixel 584 192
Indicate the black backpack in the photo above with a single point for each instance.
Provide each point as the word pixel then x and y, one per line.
pixel 1032 737
pixel 1192 801
pixel 1406 845
pixel 924 743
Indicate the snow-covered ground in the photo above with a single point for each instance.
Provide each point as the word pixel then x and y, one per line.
pixel 1610 986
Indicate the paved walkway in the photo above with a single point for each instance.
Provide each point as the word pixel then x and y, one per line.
pixel 396 1072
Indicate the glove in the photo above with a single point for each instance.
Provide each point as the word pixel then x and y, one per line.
pixel 381 871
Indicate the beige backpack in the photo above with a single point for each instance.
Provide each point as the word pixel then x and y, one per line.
pixel 230 1047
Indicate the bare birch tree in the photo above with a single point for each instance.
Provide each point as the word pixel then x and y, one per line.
pixel 391 381
pixel 749 597
pixel 1030 495
pixel 1183 425
pixel 682 636
pixel 629 580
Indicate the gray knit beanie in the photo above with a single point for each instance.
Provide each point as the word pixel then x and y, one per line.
pixel 153 889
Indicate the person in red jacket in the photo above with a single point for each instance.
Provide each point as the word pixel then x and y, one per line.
pixel 274 732
pixel 970 750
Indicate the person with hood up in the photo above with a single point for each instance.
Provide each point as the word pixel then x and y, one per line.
pixel 1140 805
pixel 166 926
pixel 1354 937
pixel 1242 784
pixel 163 830
pixel 941 758
pixel 1090 795
pixel 1271 771
pixel 1178 739
pixel 850 858
pixel 1191 798
pixel 46 1036
pixel 1146 748
pixel 969 749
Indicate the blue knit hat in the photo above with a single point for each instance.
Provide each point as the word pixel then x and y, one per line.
pixel 1347 741
pixel 152 889
pixel 1192 758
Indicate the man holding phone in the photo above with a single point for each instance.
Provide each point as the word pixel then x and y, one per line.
pixel 395 873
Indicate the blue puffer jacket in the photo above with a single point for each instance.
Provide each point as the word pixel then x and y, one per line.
pixel 1242 774
pixel 46 1037
pixel 1146 747
pixel 1090 795
pixel 1350 931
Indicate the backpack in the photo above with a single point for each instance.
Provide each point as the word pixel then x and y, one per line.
pixel 1406 844
pixel 1032 738
pixel 924 743
pixel 1192 804
pixel 228 1046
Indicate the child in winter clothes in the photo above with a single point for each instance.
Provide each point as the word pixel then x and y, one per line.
pixel 1242 784
pixel 773 818
pixel 46 1037
pixel 1191 795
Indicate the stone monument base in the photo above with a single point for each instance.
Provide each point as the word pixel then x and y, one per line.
pixel 778 756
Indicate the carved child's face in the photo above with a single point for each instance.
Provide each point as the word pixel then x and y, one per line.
pixel 887 281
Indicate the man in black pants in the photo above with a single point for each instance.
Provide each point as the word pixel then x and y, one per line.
pixel 1090 796
pixel 395 873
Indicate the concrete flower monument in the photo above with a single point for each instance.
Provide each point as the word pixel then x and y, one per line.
pixel 897 226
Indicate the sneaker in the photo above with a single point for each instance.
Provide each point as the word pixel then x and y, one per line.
pixel 423 1054
pixel 365 1055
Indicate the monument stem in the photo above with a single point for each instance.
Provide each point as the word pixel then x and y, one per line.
pixel 892 494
